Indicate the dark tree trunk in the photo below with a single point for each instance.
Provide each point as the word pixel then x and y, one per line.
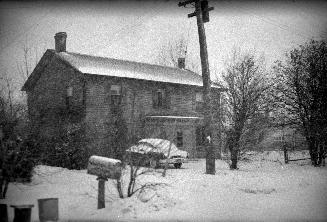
pixel 321 157
pixel 233 144
pixel 1 184
pixel 312 151
pixel 119 188
pixel 285 153
pixel 234 153
pixel 324 154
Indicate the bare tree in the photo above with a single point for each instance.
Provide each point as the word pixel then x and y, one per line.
pixel 301 94
pixel 7 93
pixel 30 60
pixel 247 84
pixel 9 105
pixel 132 176
pixel 174 49
pixel 10 119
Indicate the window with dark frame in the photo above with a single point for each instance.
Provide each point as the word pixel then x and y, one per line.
pixel 199 101
pixel 69 95
pixel 115 95
pixel 160 99
pixel 84 94
pixel 179 138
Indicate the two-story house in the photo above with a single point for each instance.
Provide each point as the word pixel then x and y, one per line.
pixel 155 101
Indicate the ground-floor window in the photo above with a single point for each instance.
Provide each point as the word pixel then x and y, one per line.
pixel 179 138
pixel 200 136
pixel 199 102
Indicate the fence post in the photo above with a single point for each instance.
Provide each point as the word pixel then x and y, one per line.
pixel 285 154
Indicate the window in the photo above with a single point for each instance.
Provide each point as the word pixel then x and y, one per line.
pixel 160 95
pixel 199 101
pixel 160 99
pixel 200 136
pixel 115 95
pixel 84 93
pixel 69 95
pixel 179 138
pixel 70 91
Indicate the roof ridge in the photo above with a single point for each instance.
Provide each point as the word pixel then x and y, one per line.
pixel 100 65
pixel 124 60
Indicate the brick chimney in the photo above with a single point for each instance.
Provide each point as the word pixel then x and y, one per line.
pixel 60 41
pixel 181 63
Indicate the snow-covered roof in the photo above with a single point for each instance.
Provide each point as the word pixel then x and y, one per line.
pixel 88 64
pixel 103 160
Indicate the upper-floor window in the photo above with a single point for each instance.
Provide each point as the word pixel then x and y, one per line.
pixel 115 95
pixel 69 95
pixel 70 91
pixel 160 99
pixel 199 101
pixel 179 138
pixel 84 93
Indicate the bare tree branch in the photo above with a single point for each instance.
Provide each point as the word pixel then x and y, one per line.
pixel 248 92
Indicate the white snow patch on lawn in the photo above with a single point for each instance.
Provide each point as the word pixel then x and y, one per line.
pixel 263 189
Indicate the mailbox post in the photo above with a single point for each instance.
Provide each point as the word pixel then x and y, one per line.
pixel 104 168
pixel 101 192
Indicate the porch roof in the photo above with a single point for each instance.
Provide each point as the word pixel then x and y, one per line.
pixel 175 117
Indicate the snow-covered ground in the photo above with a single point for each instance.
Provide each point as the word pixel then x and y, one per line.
pixel 264 188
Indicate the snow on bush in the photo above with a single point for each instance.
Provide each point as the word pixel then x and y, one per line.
pixel 255 191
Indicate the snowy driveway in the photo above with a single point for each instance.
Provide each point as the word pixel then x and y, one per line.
pixel 260 190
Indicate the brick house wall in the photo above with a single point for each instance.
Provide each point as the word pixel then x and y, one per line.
pixel 89 96
pixel 137 104
pixel 46 99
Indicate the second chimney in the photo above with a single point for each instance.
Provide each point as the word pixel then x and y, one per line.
pixel 60 41
pixel 181 63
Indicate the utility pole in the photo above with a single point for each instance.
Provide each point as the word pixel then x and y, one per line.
pixel 202 15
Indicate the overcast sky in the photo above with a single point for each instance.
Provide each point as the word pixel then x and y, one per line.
pixel 134 30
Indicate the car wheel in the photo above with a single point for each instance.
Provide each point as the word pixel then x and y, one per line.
pixel 153 163
pixel 177 165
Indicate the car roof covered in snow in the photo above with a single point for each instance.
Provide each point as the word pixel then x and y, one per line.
pixel 88 64
pixel 159 146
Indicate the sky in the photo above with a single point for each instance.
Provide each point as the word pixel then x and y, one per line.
pixel 136 30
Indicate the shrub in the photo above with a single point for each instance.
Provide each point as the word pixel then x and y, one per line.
pixel 16 162
pixel 68 150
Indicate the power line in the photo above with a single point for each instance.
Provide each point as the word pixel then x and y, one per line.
pixel 278 24
pixel 273 22
pixel 120 32
pixel 13 8
pixel 125 28
pixel 24 32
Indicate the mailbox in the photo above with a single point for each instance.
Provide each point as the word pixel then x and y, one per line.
pixel 104 167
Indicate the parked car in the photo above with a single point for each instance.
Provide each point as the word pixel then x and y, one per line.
pixel 155 152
